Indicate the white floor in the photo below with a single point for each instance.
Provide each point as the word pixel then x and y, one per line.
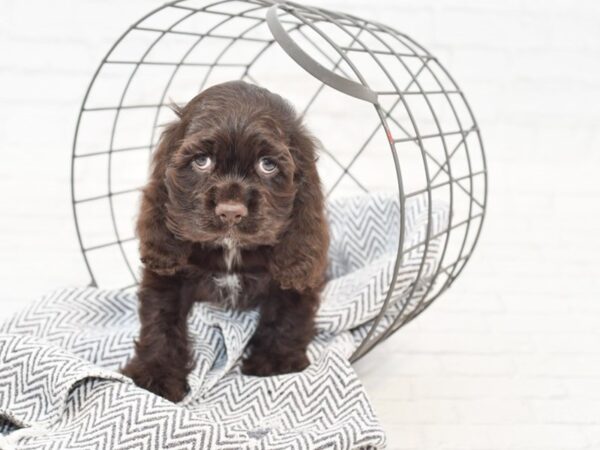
pixel 509 358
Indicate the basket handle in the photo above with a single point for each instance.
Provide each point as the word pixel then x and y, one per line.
pixel 305 61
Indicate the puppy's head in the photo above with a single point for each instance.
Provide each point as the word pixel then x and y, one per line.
pixel 239 167
pixel 231 174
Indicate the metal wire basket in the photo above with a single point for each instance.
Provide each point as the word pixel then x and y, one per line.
pixel 389 115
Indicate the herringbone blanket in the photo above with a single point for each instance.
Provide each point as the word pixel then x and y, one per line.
pixel 59 388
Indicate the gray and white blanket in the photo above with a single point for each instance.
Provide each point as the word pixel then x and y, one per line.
pixel 60 389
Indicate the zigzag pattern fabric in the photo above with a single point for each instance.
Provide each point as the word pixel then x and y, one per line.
pixel 60 389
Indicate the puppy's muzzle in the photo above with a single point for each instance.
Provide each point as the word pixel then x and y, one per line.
pixel 231 213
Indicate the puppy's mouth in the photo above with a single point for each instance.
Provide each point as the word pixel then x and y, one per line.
pixel 231 234
pixel 249 234
pixel 238 235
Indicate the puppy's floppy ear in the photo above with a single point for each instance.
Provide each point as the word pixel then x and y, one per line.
pixel 300 258
pixel 161 251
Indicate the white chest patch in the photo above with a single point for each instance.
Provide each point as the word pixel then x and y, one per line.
pixel 230 284
pixel 231 253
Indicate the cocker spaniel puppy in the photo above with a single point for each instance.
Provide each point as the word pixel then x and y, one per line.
pixel 232 214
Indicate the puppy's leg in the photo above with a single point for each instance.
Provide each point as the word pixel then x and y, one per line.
pixel 163 357
pixel 285 329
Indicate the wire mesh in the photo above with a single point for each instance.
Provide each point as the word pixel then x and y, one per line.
pixel 389 115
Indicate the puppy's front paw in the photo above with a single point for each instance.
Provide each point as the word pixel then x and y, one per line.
pixel 155 380
pixel 264 364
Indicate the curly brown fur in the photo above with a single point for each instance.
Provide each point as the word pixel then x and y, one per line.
pixel 216 224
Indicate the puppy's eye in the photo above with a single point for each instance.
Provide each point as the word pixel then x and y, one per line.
pixel 267 165
pixel 203 162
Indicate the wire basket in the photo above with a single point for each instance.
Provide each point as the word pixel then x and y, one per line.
pixel 389 115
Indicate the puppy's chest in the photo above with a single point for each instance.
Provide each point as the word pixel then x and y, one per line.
pixel 235 288
pixel 228 288
pixel 225 275
pixel 228 285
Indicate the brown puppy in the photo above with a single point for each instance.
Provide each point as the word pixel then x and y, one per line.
pixel 232 213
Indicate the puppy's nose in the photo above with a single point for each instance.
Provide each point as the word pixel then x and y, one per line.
pixel 231 212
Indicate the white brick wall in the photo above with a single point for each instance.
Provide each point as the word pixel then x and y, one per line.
pixel 509 358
